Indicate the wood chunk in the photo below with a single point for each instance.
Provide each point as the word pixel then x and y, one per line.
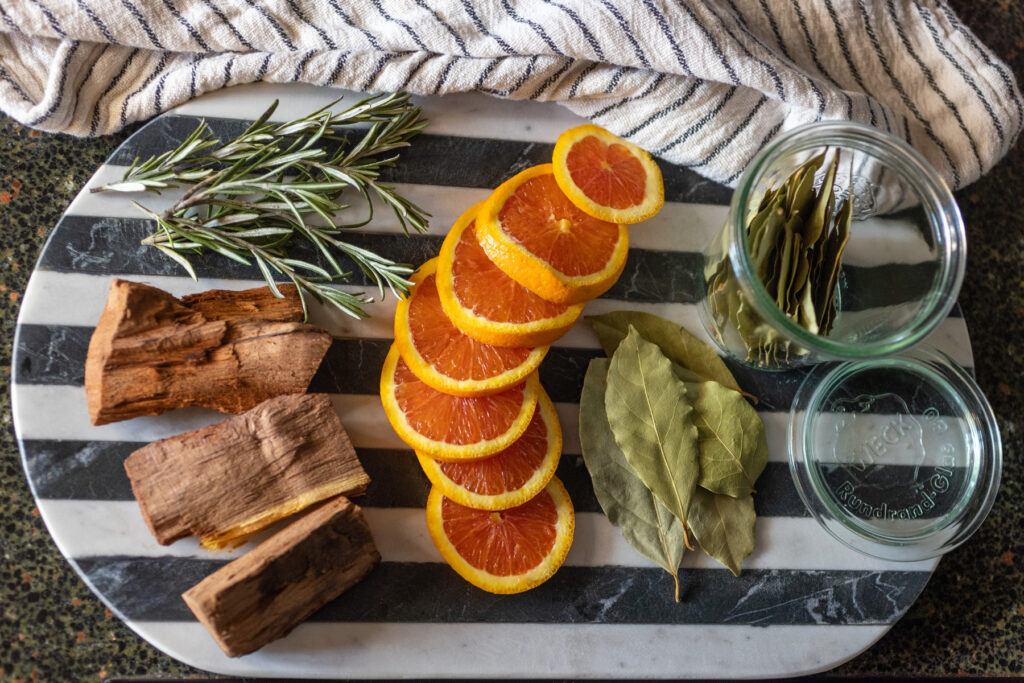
pixel 151 353
pixel 258 304
pixel 270 590
pixel 227 481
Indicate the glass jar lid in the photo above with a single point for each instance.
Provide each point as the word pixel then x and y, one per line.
pixel 898 458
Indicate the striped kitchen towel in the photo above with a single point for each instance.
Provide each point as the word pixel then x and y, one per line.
pixel 700 83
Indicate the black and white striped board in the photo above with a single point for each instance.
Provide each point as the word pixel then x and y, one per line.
pixel 803 604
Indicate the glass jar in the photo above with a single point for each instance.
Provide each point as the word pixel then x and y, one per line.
pixel 901 268
pixel 898 458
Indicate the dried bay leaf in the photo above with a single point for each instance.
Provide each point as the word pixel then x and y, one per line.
pixel 674 341
pixel 801 193
pixel 733 447
pixel 795 239
pixel 821 217
pixel 808 317
pixel 768 244
pixel 843 231
pixel 799 275
pixel 646 524
pixel 723 526
pixel 651 419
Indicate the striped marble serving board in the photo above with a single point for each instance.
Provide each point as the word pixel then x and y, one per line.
pixel 804 603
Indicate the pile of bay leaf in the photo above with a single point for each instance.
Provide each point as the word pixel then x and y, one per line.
pixel 796 239
pixel 672 445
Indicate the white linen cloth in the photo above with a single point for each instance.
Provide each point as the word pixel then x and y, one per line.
pixel 701 83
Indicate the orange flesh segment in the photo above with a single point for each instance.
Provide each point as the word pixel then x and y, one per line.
pixel 516 540
pixel 509 469
pixel 484 289
pixel 453 419
pixel 447 349
pixel 541 218
pixel 608 174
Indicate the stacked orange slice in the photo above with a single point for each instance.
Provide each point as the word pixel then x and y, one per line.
pixel 449 360
pixel 460 384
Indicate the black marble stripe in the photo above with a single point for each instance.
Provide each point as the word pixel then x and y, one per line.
pixel 55 355
pixel 482 162
pixel 149 589
pixel 93 470
pixel 90 244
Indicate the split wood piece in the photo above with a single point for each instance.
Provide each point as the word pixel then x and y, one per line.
pixel 270 590
pixel 227 481
pixel 258 303
pixel 151 353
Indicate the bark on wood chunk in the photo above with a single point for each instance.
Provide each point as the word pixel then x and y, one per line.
pixel 151 353
pixel 227 481
pixel 254 304
pixel 268 591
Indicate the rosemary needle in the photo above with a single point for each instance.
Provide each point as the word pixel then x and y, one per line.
pixel 249 198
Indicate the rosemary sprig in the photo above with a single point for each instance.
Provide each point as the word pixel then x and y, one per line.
pixel 250 197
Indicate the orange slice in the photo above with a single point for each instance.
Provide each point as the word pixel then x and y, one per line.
pixel 510 478
pixel 607 177
pixel 508 551
pixel 445 358
pixel 532 231
pixel 488 305
pixel 454 427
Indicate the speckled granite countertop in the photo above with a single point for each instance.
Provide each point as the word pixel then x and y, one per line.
pixel 969 620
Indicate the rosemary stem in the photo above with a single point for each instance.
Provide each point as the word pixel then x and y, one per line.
pixel 250 197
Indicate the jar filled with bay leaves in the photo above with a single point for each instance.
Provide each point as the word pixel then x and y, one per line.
pixel 842 243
